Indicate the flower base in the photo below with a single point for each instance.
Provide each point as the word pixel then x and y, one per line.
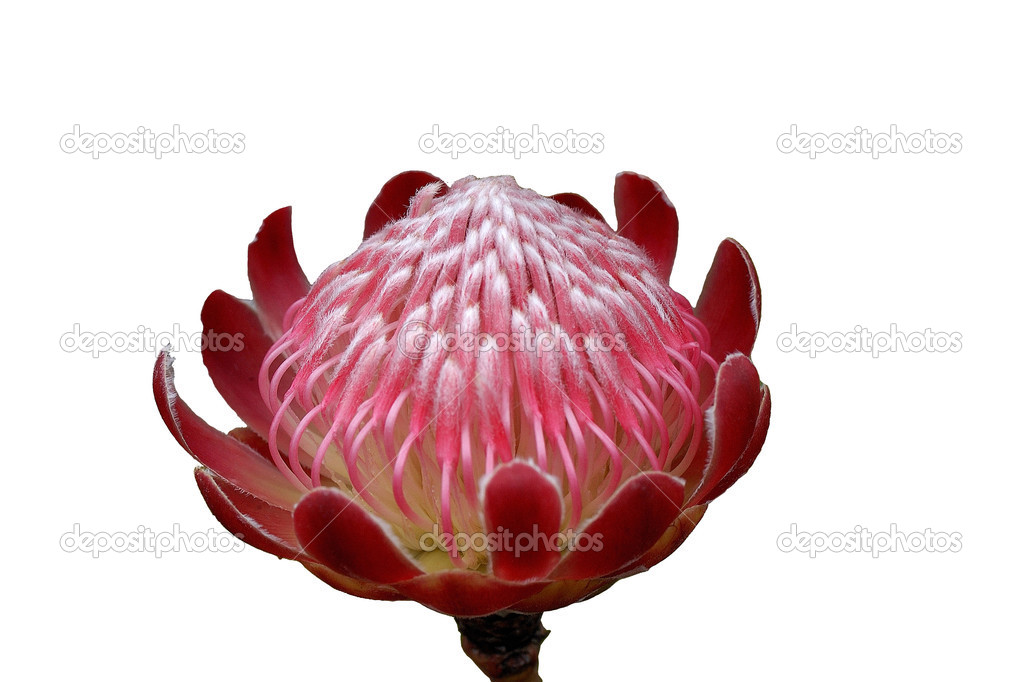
pixel 505 646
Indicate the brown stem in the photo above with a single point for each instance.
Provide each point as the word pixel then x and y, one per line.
pixel 504 645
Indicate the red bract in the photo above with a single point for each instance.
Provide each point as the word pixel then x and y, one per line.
pixel 489 363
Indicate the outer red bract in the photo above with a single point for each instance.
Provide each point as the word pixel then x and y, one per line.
pixel 355 445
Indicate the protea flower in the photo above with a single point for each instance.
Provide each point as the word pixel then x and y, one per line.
pixel 490 363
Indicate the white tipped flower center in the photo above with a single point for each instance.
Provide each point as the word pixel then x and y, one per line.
pixel 490 324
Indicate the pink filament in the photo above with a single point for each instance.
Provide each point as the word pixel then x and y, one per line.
pixel 338 378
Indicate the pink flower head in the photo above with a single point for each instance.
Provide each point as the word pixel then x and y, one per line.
pixel 496 403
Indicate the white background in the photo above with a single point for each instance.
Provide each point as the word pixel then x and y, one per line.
pixel 332 103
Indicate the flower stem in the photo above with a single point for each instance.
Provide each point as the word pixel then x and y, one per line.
pixel 504 645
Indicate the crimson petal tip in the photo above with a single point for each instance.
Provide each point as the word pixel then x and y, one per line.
pixel 730 303
pixel 393 200
pixel 647 218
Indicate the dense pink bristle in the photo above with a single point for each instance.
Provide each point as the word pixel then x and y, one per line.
pixel 413 431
